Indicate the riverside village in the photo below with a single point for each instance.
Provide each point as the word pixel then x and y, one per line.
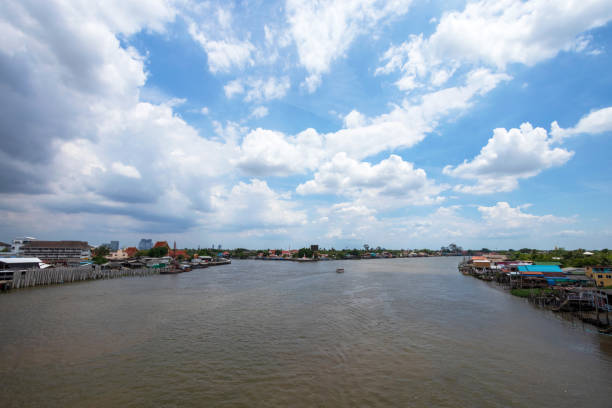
pixel 575 282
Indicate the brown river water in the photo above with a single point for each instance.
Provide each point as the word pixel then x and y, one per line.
pixel 388 333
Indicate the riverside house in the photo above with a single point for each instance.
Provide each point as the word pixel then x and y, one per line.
pixel 601 274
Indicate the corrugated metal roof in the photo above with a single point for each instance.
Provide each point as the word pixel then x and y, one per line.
pixel 19 260
pixel 539 268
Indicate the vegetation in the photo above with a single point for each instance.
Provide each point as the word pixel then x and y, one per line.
pixel 158 252
pixel 102 250
pixel 525 293
pixel 304 252
pixel 567 258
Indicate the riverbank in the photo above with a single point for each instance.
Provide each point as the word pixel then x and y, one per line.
pixel 589 304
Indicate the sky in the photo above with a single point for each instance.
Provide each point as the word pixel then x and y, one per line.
pixel 261 124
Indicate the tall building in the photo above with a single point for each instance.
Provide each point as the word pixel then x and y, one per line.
pixel 145 244
pixel 114 246
pixel 57 252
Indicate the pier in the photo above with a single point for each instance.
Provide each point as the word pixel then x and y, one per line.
pixel 39 277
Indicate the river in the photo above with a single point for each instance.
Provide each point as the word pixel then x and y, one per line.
pixel 397 332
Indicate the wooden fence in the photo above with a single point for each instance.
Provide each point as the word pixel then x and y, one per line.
pixel 50 276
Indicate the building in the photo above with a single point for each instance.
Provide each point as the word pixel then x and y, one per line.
pixel 19 263
pixel 145 244
pixel 19 242
pixel 57 252
pixel 161 244
pixel 179 252
pixel 4 247
pixel 118 255
pixel 131 251
pixel 602 275
pixel 552 273
pixel 114 246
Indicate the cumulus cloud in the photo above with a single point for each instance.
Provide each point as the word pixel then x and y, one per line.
pixel 503 216
pixel 323 31
pixel 265 152
pixel 254 205
pixel 268 152
pixel 495 34
pixel 392 182
pixel 55 86
pixel 508 156
pixel 596 122
pixel 94 147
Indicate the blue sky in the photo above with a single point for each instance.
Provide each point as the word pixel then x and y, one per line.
pixel 273 124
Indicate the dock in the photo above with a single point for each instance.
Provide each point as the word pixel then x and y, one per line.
pixel 28 278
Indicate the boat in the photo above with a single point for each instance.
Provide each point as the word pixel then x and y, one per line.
pixel 339 270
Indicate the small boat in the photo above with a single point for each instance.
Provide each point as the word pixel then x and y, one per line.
pixel 339 270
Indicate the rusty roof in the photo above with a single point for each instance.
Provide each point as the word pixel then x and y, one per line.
pixel 57 244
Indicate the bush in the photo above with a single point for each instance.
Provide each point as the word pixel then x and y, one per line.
pixel 525 293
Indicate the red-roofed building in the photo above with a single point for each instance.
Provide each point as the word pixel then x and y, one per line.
pixel 178 252
pixel 161 244
pixel 131 251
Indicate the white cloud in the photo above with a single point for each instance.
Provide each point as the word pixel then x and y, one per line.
pixel 354 119
pixel 503 216
pixel 234 87
pixel 273 88
pixel 270 152
pixel 596 122
pixel 126 170
pixel 223 54
pixel 258 90
pixel 54 89
pixel 323 31
pixel 252 206
pixel 496 33
pixel 204 110
pixel 508 156
pixel 392 182
pixel 259 112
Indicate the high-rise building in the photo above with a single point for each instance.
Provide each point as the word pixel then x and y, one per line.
pixel 145 244
pixel 114 246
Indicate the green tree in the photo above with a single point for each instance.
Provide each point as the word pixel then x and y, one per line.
pixel 102 250
pixel 304 252
pixel 99 260
pixel 158 252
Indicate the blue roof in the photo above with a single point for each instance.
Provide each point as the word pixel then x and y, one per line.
pixel 539 268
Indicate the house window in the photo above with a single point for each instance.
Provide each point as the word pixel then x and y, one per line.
pixel 600 276
pixel 608 276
